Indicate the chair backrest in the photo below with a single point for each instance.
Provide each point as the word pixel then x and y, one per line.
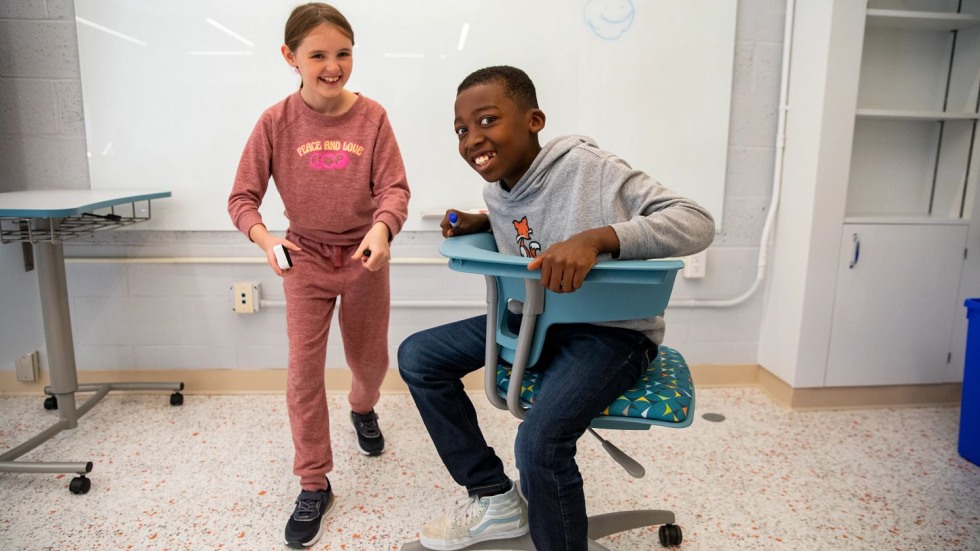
pixel 613 290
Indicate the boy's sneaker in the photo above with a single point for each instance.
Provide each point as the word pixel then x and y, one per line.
pixel 478 519
pixel 370 441
pixel 305 526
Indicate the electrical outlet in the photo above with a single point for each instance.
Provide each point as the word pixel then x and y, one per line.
pixel 27 367
pixel 245 296
pixel 696 265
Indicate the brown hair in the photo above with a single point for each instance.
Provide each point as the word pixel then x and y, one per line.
pixel 306 17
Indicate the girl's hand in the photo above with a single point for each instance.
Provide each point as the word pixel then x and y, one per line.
pixel 271 256
pixel 266 241
pixel 465 223
pixel 374 252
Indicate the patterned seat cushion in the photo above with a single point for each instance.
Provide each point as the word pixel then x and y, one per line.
pixel 663 393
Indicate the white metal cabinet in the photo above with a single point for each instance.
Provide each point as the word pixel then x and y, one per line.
pixel 881 141
pixel 895 306
pixel 915 127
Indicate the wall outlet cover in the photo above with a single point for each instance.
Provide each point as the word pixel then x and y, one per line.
pixel 696 265
pixel 27 367
pixel 245 297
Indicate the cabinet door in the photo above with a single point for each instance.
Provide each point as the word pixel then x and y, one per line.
pixel 894 309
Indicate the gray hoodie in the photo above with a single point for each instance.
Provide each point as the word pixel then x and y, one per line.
pixel 573 186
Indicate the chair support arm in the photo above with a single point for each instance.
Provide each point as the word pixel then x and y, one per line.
pixel 491 356
pixel 533 306
pixel 534 294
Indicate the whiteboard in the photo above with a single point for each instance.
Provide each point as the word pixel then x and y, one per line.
pixel 173 89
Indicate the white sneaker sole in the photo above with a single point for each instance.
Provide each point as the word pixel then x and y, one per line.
pixel 441 545
pixel 362 452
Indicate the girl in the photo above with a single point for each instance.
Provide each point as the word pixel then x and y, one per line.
pixel 336 165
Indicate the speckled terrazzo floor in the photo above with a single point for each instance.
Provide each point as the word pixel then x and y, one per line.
pixel 215 474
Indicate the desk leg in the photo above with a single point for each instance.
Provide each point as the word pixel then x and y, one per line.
pixel 53 284
pixel 61 361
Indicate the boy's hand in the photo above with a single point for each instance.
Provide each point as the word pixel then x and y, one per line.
pixel 564 265
pixel 376 241
pixel 465 223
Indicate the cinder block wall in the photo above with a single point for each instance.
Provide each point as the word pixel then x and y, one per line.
pixel 42 142
pixel 42 125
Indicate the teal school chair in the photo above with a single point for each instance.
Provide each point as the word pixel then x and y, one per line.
pixel 613 290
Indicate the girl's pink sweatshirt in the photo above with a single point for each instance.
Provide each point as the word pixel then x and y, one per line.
pixel 337 174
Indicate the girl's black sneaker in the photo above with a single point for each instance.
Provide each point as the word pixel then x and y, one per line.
pixel 305 526
pixel 369 438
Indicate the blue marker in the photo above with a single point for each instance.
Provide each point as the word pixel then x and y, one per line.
pixel 453 220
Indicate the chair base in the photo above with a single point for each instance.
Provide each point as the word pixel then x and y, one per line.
pixel 600 526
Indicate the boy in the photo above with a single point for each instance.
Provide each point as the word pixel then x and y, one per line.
pixel 566 205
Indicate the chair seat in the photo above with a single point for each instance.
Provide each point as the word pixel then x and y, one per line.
pixel 664 394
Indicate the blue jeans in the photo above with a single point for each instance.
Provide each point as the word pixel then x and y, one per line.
pixel 585 367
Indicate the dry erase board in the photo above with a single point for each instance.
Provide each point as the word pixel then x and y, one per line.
pixel 172 89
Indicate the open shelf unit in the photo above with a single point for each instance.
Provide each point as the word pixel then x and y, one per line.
pixel 916 117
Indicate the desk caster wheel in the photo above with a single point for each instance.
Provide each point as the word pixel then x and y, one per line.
pixel 79 485
pixel 176 399
pixel 670 535
pixel 51 402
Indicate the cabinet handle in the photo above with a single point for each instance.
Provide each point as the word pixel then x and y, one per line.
pixel 857 250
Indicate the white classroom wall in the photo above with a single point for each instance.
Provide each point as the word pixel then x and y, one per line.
pixel 142 316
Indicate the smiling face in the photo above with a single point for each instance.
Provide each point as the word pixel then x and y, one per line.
pixel 325 59
pixel 497 138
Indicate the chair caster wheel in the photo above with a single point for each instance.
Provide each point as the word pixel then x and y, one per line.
pixel 670 535
pixel 79 485
pixel 176 399
pixel 51 402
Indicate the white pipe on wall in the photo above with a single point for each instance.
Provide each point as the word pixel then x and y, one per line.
pixel 777 180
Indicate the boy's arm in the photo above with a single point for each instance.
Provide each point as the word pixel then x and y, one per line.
pixel 656 222
pixel 645 220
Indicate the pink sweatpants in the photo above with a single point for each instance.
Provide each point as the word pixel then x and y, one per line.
pixel 320 275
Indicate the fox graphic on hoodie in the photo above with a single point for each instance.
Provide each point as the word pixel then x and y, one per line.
pixel 527 248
